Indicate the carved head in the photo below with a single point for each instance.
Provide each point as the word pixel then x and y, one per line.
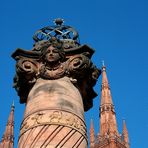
pixel 52 55
pixel 51 50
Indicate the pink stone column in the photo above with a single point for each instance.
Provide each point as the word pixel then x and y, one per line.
pixel 55 80
pixel 54 116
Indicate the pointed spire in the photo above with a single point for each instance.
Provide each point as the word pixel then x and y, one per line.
pixel 8 136
pixel 108 123
pixel 105 89
pixel 108 135
pixel 104 79
pixel 125 133
pixel 92 135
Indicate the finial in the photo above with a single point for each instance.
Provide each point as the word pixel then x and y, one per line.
pixel 58 21
pixel 12 104
pixel 124 125
pixel 91 122
pixel 103 66
pixel 123 119
pixel 103 63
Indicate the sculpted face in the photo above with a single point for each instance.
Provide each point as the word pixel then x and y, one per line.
pixel 52 55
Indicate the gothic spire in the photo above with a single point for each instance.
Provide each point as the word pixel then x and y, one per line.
pixel 8 136
pixel 92 135
pixel 108 123
pixel 108 135
pixel 105 89
pixel 125 134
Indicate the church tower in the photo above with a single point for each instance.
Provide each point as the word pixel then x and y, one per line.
pixel 8 136
pixel 108 136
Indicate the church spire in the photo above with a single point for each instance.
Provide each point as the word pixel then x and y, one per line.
pixel 92 135
pixel 108 123
pixel 105 89
pixel 125 134
pixel 108 136
pixel 8 136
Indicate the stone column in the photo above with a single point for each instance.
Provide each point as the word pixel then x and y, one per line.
pixel 55 80
pixel 54 116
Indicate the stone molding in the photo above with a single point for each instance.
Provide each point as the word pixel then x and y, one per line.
pixel 53 117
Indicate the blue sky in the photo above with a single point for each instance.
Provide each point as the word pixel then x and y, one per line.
pixel 117 30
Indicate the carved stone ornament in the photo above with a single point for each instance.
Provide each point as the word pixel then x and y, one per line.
pixel 53 59
pixel 56 117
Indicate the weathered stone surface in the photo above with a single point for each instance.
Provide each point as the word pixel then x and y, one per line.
pixel 49 62
pixel 55 80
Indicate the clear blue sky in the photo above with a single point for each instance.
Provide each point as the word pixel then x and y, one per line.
pixel 116 29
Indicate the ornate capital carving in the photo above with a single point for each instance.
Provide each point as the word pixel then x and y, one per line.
pixel 51 60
